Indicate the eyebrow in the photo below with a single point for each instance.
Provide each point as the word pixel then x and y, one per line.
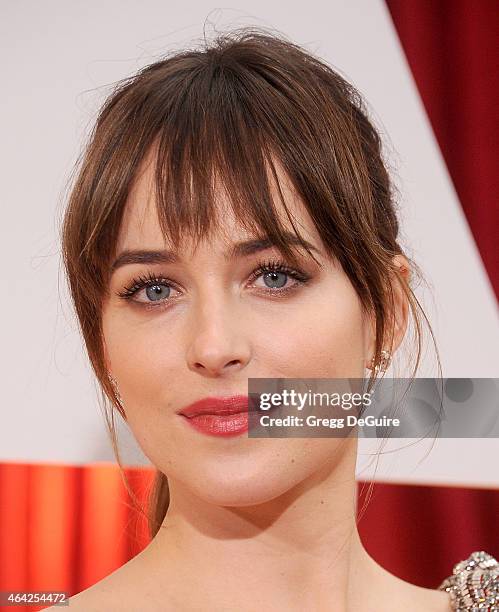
pixel 239 249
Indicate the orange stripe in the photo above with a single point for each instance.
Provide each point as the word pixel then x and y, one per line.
pixel 50 526
pixel 103 545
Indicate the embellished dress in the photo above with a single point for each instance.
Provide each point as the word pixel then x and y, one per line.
pixel 474 584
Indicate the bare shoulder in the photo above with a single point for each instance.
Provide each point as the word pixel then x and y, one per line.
pixel 430 600
pixel 124 590
pixel 393 594
pixel 98 597
pixel 409 597
pixel 111 594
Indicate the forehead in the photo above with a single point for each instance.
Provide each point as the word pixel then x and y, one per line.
pixel 140 227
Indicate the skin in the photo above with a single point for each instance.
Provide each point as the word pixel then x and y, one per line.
pixel 256 524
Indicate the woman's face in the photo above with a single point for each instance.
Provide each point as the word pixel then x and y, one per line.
pixel 212 327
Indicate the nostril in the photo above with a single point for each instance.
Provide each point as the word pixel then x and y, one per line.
pixel 233 364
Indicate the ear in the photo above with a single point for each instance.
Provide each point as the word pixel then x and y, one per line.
pixel 397 317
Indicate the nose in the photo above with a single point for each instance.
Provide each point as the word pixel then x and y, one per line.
pixel 219 344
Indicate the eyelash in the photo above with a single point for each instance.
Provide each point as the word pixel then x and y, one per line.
pixel 264 267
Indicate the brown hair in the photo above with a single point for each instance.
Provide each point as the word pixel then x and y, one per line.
pixel 227 110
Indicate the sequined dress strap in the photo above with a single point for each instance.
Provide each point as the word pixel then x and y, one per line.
pixel 474 584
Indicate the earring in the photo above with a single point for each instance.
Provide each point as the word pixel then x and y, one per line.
pixel 116 392
pixel 383 364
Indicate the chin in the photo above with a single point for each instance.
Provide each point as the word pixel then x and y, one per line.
pixel 246 494
pixel 244 484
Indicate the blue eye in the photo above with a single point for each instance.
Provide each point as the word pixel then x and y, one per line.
pixel 157 289
pixel 276 279
pixel 275 275
pixel 155 292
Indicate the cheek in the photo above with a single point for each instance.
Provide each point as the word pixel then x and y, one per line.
pixel 325 337
pixel 145 359
pixel 142 363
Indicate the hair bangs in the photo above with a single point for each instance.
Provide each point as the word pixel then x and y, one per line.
pixel 212 161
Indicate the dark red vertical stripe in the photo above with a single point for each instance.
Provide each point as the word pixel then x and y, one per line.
pixel 452 49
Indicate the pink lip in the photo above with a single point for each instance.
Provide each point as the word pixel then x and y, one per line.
pixel 219 416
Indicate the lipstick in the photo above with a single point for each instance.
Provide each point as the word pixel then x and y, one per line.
pixel 218 416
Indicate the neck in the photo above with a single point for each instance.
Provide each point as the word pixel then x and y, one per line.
pixel 300 550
